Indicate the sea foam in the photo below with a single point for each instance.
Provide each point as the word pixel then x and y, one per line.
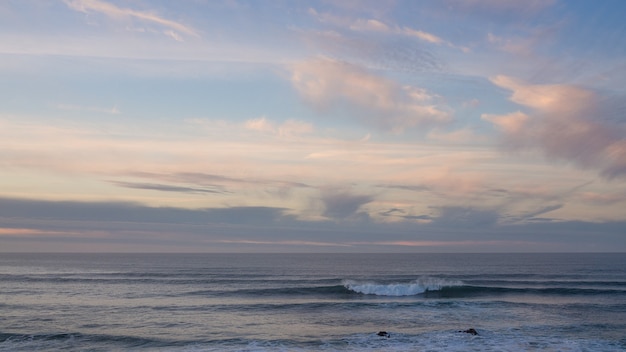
pixel 412 288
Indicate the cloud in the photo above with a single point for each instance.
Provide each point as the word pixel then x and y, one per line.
pixel 565 123
pixel 391 53
pixel 399 213
pixel 374 25
pixel 284 243
pixel 113 110
pixel 417 188
pixel 260 124
pixel 428 37
pixel 548 98
pixel 112 11
pixel 289 128
pixel 188 151
pixel 341 205
pixel 523 47
pixel 375 44
pixel 173 35
pixel 122 226
pixel 533 214
pixel 604 198
pixel 377 26
pixel 512 6
pixel 215 182
pixel 411 176
pixel 465 217
pixel 369 25
pixel 461 136
pixel 164 188
pixel 23 232
pixel 136 212
pixel 330 84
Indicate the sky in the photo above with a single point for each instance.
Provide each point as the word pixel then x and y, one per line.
pixel 312 126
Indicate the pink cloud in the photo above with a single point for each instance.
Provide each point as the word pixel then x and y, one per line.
pixel 37 233
pixel 565 123
pixel 379 101
pixel 115 12
pixel 289 128
pixel 21 231
pixel 604 198
pixel 283 242
pixel 417 243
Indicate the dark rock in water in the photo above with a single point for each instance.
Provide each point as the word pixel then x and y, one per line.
pixel 470 331
pixel 384 334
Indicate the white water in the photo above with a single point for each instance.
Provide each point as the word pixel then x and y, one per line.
pixel 412 288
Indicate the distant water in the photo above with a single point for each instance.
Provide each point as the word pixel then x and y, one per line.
pixel 312 302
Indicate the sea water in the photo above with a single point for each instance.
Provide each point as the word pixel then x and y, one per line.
pixel 312 302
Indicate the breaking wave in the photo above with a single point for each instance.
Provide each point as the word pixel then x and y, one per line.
pixel 416 287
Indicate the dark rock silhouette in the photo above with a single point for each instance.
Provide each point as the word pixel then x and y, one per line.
pixel 384 334
pixel 470 331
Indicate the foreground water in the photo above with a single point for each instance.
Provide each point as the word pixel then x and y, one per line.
pixel 312 302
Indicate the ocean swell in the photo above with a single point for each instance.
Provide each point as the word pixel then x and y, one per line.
pixel 412 288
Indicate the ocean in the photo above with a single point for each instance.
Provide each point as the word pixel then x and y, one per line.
pixel 312 302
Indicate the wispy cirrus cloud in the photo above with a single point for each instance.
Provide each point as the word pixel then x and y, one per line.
pixel 71 107
pixel 164 187
pixel 289 128
pixel 283 243
pixel 170 28
pixel 331 84
pixel 231 189
pixel 382 53
pixel 27 232
pixel 374 25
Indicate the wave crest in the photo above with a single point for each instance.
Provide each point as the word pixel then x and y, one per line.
pixel 412 288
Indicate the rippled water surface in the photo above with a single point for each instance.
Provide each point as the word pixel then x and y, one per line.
pixel 312 302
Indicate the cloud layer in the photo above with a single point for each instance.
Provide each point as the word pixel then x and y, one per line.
pixel 98 226
pixel 325 126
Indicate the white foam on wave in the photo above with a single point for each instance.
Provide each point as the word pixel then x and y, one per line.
pixel 412 288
